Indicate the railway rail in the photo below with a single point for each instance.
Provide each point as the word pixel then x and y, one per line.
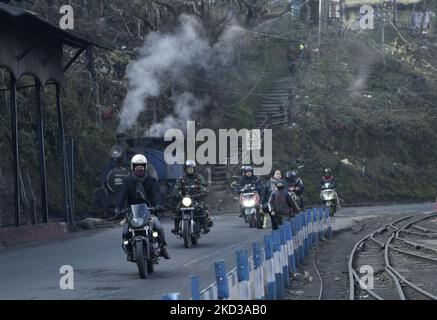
pixel 402 264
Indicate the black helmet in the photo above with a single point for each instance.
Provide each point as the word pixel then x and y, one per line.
pixel 291 174
pixel 279 184
pixel 248 169
pixel 327 171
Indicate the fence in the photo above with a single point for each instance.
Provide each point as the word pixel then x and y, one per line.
pixel 266 274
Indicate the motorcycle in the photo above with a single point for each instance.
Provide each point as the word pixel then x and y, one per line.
pixel 145 242
pixel 329 197
pixel 190 220
pixel 250 205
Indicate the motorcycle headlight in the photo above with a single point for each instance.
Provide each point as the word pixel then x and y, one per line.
pixel 249 202
pixel 137 222
pixel 155 234
pixel 186 202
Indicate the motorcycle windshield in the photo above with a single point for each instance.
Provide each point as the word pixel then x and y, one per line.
pixel 140 211
pixel 248 187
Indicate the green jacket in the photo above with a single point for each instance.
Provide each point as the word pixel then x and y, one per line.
pixel 197 180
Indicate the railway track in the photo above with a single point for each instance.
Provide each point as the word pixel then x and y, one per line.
pixel 402 263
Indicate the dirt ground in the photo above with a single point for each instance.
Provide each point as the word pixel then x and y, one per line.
pixel 331 262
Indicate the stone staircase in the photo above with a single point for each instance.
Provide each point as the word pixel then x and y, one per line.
pixel 274 113
pixel 274 108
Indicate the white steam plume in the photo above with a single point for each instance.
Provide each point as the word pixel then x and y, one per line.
pixel 163 53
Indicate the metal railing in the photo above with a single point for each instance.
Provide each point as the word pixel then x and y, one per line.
pixel 266 275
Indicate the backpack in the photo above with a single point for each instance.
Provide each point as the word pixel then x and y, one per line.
pixel 280 203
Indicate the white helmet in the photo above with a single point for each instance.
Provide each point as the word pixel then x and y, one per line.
pixel 138 159
pixel 190 163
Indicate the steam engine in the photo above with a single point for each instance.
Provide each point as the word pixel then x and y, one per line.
pixel 118 168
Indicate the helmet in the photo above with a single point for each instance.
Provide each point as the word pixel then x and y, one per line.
pixel 248 169
pixel 139 161
pixel 289 174
pixel 327 171
pixel 242 169
pixel 190 164
pixel 279 184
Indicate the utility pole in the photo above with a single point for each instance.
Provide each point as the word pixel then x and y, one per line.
pixel 383 32
pixel 320 21
pixel 395 11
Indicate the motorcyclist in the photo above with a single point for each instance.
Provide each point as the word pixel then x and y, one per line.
pixel 249 178
pixel 292 180
pixel 139 188
pixel 328 177
pixel 281 205
pixel 192 178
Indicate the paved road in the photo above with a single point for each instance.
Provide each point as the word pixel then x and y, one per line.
pixel 102 272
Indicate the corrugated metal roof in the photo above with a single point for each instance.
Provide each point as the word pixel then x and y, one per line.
pixel 15 11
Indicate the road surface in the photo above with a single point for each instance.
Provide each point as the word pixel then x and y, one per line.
pixel 102 272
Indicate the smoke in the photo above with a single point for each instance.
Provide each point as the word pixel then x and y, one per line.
pixel 162 54
pixel 185 105
pixel 366 60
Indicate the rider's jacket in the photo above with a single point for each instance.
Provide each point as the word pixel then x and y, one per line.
pixel 197 180
pixel 330 179
pixel 133 187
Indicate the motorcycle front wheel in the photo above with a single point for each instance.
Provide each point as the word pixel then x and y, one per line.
pixel 141 259
pixel 252 221
pixel 187 234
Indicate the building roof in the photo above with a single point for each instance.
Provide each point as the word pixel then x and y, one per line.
pixel 31 20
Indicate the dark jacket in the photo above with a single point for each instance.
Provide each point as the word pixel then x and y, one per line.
pixel 298 183
pixel 282 203
pixel 129 192
pixel 259 186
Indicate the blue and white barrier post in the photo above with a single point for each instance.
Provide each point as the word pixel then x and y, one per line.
pixel 270 273
pixel 321 227
pixel 195 288
pixel 328 218
pixel 310 229
pixel 284 257
pixel 301 238
pixel 277 264
pixel 290 246
pixel 258 282
pixel 305 234
pixel 243 275
pixel 221 278
pixel 171 296
pixel 295 240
